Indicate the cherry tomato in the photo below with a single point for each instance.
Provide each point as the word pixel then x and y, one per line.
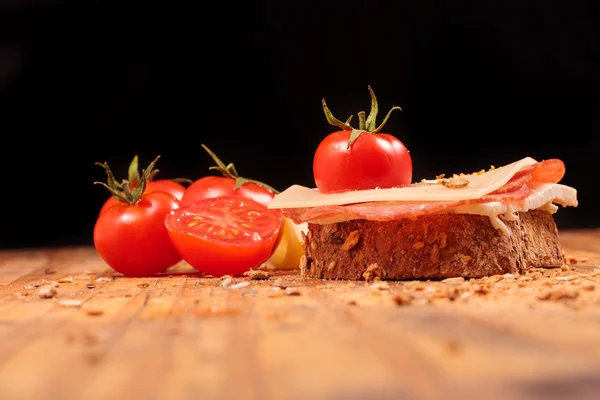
pixel 372 161
pixel 363 158
pixel 214 186
pixel 225 235
pixel 228 184
pixel 132 238
pixel 162 185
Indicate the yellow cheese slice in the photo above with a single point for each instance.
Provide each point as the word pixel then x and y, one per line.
pixel 479 185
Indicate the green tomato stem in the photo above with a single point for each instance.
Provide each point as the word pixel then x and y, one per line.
pixel 122 191
pixel 229 171
pixel 366 125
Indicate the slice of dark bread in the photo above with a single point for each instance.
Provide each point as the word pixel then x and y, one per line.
pixel 430 247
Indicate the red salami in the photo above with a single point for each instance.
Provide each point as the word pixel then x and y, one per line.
pixel 514 191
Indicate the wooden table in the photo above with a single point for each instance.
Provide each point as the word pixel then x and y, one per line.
pixel 180 336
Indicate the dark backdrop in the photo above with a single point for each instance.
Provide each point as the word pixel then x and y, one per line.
pixel 480 83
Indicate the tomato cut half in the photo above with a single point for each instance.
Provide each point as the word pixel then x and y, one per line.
pixel 225 235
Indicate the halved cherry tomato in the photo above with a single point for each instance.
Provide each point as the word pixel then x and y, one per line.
pixel 228 184
pixel 226 235
pixel 363 158
pixel 215 186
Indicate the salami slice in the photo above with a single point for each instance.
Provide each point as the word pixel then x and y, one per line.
pixel 516 190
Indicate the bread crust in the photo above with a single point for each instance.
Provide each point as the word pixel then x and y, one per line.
pixel 430 247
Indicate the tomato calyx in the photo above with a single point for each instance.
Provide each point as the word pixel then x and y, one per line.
pixel 133 175
pixel 125 192
pixel 366 124
pixel 229 171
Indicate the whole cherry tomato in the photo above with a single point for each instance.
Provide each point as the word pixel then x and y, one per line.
pixel 130 235
pixel 363 158
pixel 228 184
pixel 225 235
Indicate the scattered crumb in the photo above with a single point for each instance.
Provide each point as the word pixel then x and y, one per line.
pixel 453 346
pixel 279 284
pixel 567 278
pixel 292 292
pixel 50 271
pixel 588 286
pixel 455 182
pixel 94 311
pixel 240 285
pixel 373 271
pixel 378 286
pixel 257 275
pixel 458 279
pixel 402 298
pixel 559 294
pixel 90 286
pixel 352 303
pixel 143 285
pixel 47 292
pixel 564 268
pixel 226 281
pixel 66 279
pixel 70 303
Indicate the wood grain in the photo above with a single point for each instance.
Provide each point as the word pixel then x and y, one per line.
pixel 181 336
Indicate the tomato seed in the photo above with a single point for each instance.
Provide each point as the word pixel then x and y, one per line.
pixel 191 224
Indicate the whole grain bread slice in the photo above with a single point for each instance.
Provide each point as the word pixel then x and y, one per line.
pixel 430 247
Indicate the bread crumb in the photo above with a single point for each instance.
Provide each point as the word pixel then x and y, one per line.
pixel 94 311
pixel 372 272
pixel 455 182
pixel 47 292
pixel 402 298
pixel 588 286
pixel 292 292
pixel 564 268
pixel 379 286
pixel 559 294
pixel 257 275
pixel 458 279
pixel 66 279
pixel 70 303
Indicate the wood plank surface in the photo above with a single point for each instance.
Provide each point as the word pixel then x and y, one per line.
pixel 181 336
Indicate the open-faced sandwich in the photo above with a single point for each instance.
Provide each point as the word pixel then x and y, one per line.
pixel 366 218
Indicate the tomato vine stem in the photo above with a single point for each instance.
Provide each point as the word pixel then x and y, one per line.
pixel 229 171
pixel 366 124
pixel 122 191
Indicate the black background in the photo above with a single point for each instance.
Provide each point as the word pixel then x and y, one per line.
pixel 480 83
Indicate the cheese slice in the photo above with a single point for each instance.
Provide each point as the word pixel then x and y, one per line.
pixel 479 185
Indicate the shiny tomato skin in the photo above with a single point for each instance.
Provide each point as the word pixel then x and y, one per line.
pixel 226 235
pixel 162 185
pixel 214 186
pixel 133 240
pixel 372 161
